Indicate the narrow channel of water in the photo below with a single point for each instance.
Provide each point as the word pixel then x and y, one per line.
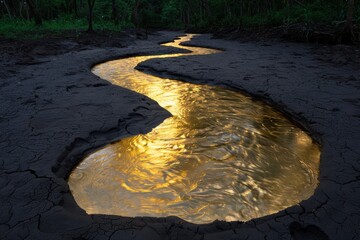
pixel 220 156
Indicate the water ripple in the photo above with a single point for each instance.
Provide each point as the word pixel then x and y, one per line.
pixel 221 156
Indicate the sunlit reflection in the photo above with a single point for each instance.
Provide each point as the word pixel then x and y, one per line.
pixel 221 156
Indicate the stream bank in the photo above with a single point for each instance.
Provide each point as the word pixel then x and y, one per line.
pixel 53 111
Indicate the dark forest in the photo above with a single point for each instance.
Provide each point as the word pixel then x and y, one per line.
pixel 36 17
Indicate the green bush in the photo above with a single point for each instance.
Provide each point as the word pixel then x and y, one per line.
pixel 23 29
pixel 13 28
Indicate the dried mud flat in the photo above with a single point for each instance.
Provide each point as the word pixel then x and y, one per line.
pixel 53 111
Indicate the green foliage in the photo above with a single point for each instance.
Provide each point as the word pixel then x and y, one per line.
pixel 14 28
pixel 315 12
pixel 170 15
pixel 64 22
pixel 61 15
pixel 23 29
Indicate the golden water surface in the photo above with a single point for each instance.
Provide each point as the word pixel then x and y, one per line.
pixel 220 156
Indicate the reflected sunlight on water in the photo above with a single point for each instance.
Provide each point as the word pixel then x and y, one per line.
pixel 221 156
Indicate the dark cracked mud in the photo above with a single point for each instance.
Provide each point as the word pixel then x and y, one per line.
pixel 55 111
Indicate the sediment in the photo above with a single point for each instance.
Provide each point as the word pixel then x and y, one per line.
pixel 54 111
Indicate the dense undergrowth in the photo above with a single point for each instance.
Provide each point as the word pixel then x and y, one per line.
pixel 169 14
pixel 23 29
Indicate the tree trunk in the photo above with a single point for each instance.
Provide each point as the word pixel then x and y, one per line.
pixel 136 20
pixel 348 35
pixel 350 12
pixel 7 9
pixel 75 7
pixel 188 17
pixel 34 12
pixel 114 13
pixel 205 8
pixel 27 12
pixel 91 4
pixel 21 9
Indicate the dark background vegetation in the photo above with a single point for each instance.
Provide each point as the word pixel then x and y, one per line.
pixel 336 20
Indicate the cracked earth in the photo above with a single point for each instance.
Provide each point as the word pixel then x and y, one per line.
pixel 54 111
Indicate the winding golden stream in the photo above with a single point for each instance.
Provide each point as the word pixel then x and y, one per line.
pixel 220 156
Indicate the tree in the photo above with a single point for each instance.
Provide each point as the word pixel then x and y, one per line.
pixel 348 33
pixel 7 9
pixel 114 13
pixel 135 14
pixel 75 7
pixel 91 4
pixel 34 12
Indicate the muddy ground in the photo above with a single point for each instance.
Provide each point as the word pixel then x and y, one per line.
pixel 53 111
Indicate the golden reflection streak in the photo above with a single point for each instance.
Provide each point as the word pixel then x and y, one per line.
pixel 221 155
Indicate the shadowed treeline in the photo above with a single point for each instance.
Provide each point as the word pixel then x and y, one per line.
pixel 206 15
